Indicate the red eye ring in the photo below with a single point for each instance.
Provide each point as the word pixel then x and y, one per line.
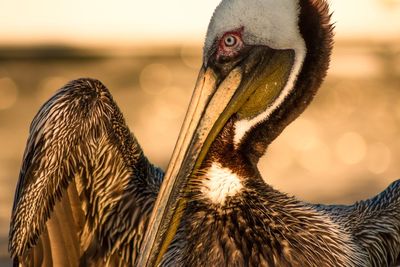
pixel 230 40
pixel 230 44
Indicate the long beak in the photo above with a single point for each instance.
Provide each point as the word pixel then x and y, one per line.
pixel 214 101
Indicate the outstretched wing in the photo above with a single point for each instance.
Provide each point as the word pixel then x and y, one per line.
pixel 85 190
pixel 374 224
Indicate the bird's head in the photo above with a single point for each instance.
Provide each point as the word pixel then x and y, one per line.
pixel 263 62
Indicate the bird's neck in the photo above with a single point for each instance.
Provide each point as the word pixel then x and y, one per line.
pixel 224 171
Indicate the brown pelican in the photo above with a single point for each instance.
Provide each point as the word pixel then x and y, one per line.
pixel 86 191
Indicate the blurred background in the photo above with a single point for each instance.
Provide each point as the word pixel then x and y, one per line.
pixel 345 147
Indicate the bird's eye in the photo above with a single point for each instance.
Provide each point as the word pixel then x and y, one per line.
pixel 230 40
pixel 230 45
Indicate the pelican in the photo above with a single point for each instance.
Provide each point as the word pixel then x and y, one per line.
pixel 88 196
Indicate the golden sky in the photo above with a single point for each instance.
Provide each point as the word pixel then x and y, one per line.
pixel 130 21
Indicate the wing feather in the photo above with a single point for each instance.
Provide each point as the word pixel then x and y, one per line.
pixel 374 224
pixel 85 186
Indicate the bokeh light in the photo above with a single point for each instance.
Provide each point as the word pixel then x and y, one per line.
pixel 379 158
pixel 8 93
pixel 155 78
pixel 351 148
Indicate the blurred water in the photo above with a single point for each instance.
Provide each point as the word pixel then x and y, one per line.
pixel 343 148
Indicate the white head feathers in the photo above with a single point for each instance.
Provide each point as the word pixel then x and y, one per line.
pixel 266 22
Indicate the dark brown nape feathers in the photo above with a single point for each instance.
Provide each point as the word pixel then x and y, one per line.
pixel 317 31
